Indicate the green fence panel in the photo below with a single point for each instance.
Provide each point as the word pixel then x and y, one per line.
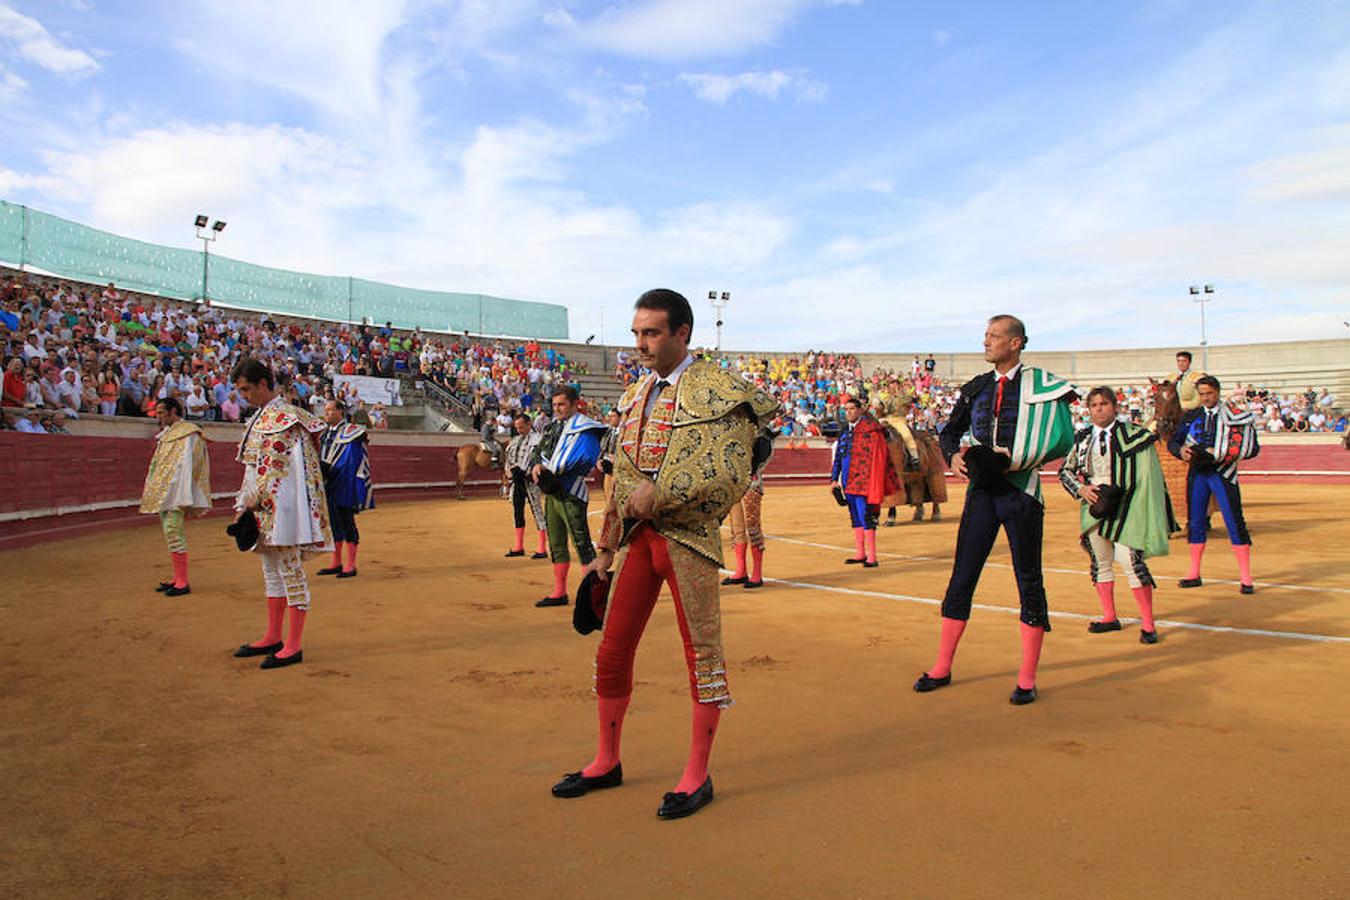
pixel 71 250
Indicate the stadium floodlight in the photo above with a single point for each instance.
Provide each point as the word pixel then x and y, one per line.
pixel 1203 297
pixel 206 237
pixel 719 303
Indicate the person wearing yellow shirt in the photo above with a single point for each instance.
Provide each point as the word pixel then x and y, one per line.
pixel 1185 379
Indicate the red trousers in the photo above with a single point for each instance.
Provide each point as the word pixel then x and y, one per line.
pixel 651 561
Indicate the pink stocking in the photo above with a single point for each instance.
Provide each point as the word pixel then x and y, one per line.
pixel 1106 592
pixel 1197 551
pixel 860 541
pixel 293 633
pixel 1244 558
pixel 180 570
pixel 757 557
pixel 560 579
pixel 276 612
pixel 740 560
pixel 1144 597
pixel 520 541
pixel 706 716
pixel 611 710
pixel 351 556
pixel 952 630
pixel 543 542
pixel 870 541
pixel 337 556
pixel 1032 638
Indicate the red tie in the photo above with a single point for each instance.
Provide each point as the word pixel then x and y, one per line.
pixel 998 398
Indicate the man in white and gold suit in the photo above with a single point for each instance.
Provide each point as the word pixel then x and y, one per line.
pixel 179 482
pixel 687 440
pixel 283 488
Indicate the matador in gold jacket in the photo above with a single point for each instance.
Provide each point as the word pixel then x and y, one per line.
pixel 686 442
pixel 178 482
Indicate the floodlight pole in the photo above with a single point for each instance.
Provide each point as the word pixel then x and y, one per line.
pixel 207 237
pixel 1203 296
pixel 719 302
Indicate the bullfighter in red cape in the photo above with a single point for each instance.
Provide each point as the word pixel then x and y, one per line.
pixel 863 471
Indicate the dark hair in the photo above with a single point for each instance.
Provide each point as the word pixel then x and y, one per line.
pixel 173 404
pixel 520 414
pixel 1187 354
pixel 854 400
pixel 675 306
pixel 1015 327
pixel 254 371
pixel 1107 393
pixel 1209 380
pixel 570 392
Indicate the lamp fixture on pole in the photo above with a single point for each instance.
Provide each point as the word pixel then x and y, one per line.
pixel 207 237
pixel 1203 296
pixel 719 302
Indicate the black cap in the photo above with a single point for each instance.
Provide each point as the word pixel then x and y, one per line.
pixel 985 466
pixel 588 613
pixel 245 531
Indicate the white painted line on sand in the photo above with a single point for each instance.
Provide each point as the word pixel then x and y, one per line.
pixel 1082 571
pixel 1160 623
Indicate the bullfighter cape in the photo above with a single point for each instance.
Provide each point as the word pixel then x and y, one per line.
pixel 1143 519
pixel 870 471
pixel 180 471
pixel 705 469
pixel 283 482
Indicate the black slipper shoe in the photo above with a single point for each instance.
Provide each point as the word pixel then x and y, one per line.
pixel 928 683
pixel 281 662
pixel 250 650
pixel 677 806
pixel 574 784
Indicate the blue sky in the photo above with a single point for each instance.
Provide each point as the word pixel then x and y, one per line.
pixel 863 175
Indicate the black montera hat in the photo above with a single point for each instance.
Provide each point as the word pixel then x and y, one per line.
pixel 588 614
pixel 245 531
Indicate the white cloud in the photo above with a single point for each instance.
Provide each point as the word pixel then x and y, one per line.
pixel 11 85
pixel 686 29
pixel 35 44
pixel 328 52
pixel 721 88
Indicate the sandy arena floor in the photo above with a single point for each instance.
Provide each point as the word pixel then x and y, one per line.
pixel 411 754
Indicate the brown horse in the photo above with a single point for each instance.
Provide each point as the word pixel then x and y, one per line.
pixel 1167 415
pixel 466 458
pixel 925 484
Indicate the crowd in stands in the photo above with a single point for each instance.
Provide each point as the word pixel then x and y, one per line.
pixel 1312 410
pixel 76 349
pixel 498 377
pixel 813 386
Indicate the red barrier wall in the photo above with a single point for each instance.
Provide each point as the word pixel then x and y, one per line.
pixel 74 484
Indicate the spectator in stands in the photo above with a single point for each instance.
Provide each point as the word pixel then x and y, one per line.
pixel 379 419
pixel 28 423
pixel 15 390
pixel 230 408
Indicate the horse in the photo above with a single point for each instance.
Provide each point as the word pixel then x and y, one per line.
pixel 467 457
pixel 1167 415
pixel 926 483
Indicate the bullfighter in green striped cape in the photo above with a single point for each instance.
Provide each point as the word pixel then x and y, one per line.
pixel 1011 421
pixel 1114 470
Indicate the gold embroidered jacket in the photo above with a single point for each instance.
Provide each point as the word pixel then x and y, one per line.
pixel 697 450
pixel 180 471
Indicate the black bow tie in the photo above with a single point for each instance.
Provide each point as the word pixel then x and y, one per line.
pixel 662 384
pixel 1101 440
